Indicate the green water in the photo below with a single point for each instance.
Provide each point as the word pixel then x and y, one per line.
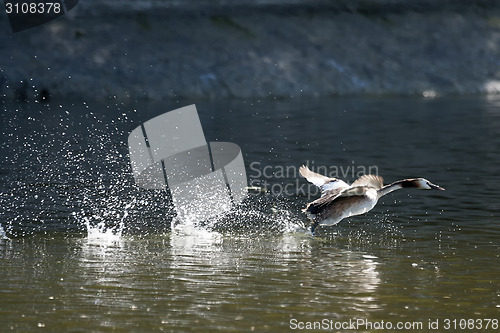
pixel 423 259
pixel 210 282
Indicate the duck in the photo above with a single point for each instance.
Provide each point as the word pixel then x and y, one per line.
pixel 340 200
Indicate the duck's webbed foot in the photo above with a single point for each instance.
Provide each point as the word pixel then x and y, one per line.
pixel 313 226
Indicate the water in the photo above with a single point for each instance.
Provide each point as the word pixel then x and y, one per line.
pixel 3 236
pixel 88 251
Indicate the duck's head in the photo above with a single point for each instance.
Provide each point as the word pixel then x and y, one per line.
pixel 423 184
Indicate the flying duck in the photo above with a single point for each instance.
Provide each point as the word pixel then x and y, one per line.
pixel 339 200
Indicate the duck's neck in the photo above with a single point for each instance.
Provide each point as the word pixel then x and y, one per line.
pixel 391 187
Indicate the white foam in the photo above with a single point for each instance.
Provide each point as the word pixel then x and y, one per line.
pixel 99 232
pixel 187 237
pixel 103 233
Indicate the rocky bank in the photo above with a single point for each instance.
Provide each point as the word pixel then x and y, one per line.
pixel 256 51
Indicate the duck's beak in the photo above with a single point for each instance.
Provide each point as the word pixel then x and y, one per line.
pixel 435 187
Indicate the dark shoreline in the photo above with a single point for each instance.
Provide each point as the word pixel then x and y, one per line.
pixel 271 51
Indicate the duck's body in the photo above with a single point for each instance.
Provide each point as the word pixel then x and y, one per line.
pixel 339 200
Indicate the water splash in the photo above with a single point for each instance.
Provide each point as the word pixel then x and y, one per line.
pixel 102 234
pixel 101 226
pixel 68 169
pixel 258 215
pixel 188 233
pixel 58 160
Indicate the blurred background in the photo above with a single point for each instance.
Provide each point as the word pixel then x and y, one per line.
pixel 152 50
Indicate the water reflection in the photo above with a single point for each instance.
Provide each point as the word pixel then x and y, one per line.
pixel 232 282
pixel 195 275
pixel 285 275
pixel 104 266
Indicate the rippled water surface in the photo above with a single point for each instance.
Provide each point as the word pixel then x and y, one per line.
pixel 83 249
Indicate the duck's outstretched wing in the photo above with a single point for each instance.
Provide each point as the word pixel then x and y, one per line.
pixel 313 177
pixel 370 181
pixel 323 182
